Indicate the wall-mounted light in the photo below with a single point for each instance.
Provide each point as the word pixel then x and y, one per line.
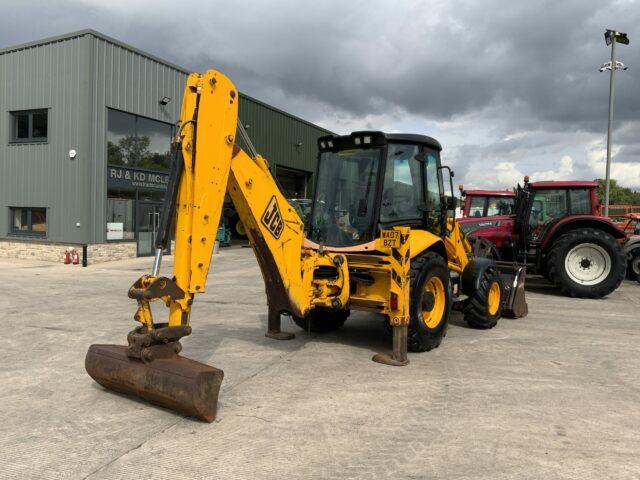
pixel 164 100
pixel 299 144
pixel 73 154
pixel 247 126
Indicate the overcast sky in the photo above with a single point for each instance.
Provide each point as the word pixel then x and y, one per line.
pixel 509 88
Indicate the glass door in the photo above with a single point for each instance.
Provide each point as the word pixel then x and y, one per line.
pixel 148 223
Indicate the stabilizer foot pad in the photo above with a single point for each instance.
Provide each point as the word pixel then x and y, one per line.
pixel 280 335
pixel 387 359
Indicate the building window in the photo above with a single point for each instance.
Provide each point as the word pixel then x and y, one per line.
pixel 29 126
pixel 28 221
pixel 136 141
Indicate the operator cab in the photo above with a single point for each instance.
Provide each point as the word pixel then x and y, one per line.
pixel 367 181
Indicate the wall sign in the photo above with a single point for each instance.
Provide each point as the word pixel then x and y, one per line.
pixel 125 177
pixel 115 231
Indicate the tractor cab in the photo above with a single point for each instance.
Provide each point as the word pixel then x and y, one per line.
pixel 369 181
pixel 544 204
pixel 480 204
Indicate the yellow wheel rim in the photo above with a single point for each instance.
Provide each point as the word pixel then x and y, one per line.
pixel 493 301
pixel 240 228
pixel 432 313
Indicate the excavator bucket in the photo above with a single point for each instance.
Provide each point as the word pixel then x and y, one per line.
pixel 176 382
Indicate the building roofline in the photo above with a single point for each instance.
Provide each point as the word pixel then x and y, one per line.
pixel 290 115
pixel 96 34
pixel 114 41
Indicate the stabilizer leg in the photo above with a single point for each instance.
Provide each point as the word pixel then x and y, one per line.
pixel 398 357
pixel 273 328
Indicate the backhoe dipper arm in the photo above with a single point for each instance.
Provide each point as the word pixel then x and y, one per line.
pixel 208 164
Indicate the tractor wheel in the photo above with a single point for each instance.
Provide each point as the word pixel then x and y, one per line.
pixel 483 309
pixel 237 228
pixel 322 320
pixel 430 302
pixel 586 263
pixel 633 267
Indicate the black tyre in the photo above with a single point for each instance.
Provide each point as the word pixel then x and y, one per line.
pixel 633 264
pixel 483 309
pixel 321 320
pixel 586 263
pixel 430 302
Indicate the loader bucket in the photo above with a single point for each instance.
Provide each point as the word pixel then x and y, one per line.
pixel 515 304
pixel 177 383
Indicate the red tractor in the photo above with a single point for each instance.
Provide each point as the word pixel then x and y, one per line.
pixel 557 231
pixel 486 203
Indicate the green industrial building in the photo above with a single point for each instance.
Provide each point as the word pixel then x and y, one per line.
pixel 85 135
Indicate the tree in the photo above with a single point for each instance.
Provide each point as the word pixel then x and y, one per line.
pixel 617 195
pixel 114 154
pixel 133 148
pixel 134 151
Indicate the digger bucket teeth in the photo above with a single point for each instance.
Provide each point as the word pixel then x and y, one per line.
pixel 177 383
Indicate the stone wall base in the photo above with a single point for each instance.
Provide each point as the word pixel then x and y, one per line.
pixel 55 252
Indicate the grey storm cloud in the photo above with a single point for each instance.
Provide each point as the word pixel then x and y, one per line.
pixel 503 67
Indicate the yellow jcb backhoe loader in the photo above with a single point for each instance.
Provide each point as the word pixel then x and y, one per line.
pixel 379 240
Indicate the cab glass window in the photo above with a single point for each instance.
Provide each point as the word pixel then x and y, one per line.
pixel 402 191
pixel 500 206
pixel 434 194
pixel 580 200
pixel 547 206
pixel 476 207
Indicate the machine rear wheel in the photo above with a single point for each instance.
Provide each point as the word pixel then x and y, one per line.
pixel 321 320
pixel 430 299
pixel 633 267
pixel 586 263
pixel 483 309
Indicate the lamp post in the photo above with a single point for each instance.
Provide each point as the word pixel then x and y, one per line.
pixel 611 37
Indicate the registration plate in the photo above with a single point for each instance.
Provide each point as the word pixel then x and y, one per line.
pixel 389 239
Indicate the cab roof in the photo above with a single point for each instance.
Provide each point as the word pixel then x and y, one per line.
pixel 565 184
pixel 380 138
pixel 490 193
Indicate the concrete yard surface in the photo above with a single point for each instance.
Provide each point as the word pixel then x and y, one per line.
pixel 555 395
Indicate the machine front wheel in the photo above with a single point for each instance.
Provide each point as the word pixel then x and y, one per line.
pixel 484 308
pixel 430 302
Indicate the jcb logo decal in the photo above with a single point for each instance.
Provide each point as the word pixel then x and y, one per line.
pixel 272 219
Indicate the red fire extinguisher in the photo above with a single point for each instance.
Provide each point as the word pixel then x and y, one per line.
pixel 76 257
pixel 67 257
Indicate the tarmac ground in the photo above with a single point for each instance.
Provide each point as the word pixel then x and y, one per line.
pixel 555 395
